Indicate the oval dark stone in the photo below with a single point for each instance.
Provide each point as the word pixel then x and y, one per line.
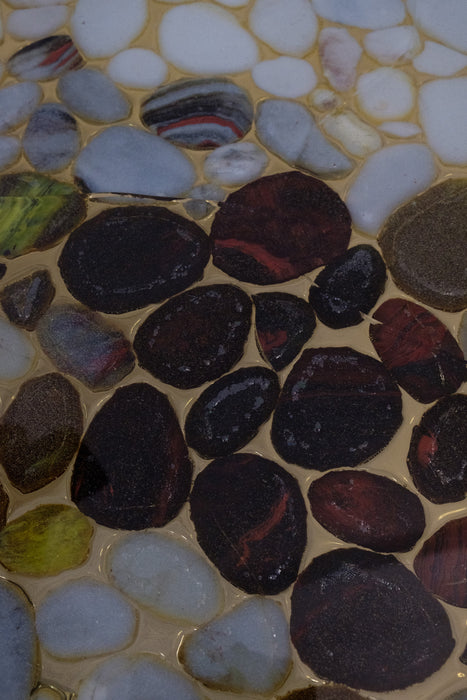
pixel 278 228
pixel 129 257
pixel 284 323
pixel 195 337
pixel 132 470
pixel 348 286
pixel 4 504
pixel 229 413
pixel 329 691
pixel 338 407
pixel 363 619
pixel 26 300
pixel 418 350
pixel 437 456
pixel 367 509
pixel 250 519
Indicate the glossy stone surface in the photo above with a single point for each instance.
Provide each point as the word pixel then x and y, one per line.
pixel 91 95
pixel 4 503
pixel 40 431
pixel 363 619
pixel 329 691
pixel 250 520
pixel 278 228
pixel 51 139
pixel 338 407
pixel 17 353
pixel 283 324
pixel 26 300
pixel 418 350
pixel 129 257
pixel 17 103
pixel 45 59
pixel 229 413
pixel 196 336
pixel 132 470
pixel 348 287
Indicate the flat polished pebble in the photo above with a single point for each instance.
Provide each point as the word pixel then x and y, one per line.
pixel 385 93
pixel 235 164
pixel 403 130
pixel 285 76
pixel 444 22
pixel 137 68
pixel 27 299
pixel 91 95
pixel 166 575
pixel 442 106
pixel 366 14
pixel 17 103
pixel 17 353
pixel 10 151
pixel 246 650
pixel 437 59
pixel 34 23
pixel 356 136
pixel 288 26
pixel 51 140
pixel 35 3
pixel 393 46
pixel 203 199
pixel 45 59
pixel 339 54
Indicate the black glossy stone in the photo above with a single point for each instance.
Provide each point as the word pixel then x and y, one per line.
pixel 2 270
pixel 329 691
pixel 26 300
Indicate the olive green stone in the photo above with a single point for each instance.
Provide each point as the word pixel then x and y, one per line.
pixel 36 212
pixel 46 541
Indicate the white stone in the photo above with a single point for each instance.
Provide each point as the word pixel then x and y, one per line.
pixel 385 93
pixel 101 28
pixel 403 130
pixel 138 68
pixel 437 59
pixel 90 94
pixel 235 164
pixel 324 100
pixel 357 137
pixel 245 651
pixel 17 353
pixel 10 150
pixel 394 45
pixel 84 618
pixel 285 76
pixel 388 179
pixel 339 53
pixel 166 575
pixel 203 38
pixel 36 23
pixel 287 26
pixel 443 115
pixel 367 14
pixel 17 103
pixel 36 3
pixel 233 3
pixel 445 21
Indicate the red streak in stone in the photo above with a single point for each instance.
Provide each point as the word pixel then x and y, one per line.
pixel 269 341
pixel 56 55
pixel 276 266
pixel 262 530
pixel 208 119
pixel 426 450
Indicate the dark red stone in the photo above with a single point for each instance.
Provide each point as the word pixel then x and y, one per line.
pixel 278 228
pixel 329 691
pixel 437 456
pixel 250 519
pixel 338 408
pixel 367 509
pixel 363 619
pixel 418 350
pixel 284 323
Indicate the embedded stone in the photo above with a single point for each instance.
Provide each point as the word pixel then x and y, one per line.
pixel 138 68
pixel 443 22
pixel 45 59
pixel 285 76
pixel 366 14
pixel 132 470
pixel 279 228
pixel 4 504
pixel 235 164
pixel 36 22
pixel 199 113
pixel 358 137
pixel 26 300
pixel 445 129
pixel 462 334
pixel 229 413
pixel 348 287
pixel 437 59
pixel 129 257
pixel 385 93
pixel 195 337
pixel 91 95
pixel 329 691
pixel 17 353
pixel 339 54
pixel 363 619
pixel 250 520
pixel 48 692
pixel 418 350
pixel 393 45
pixel 287 26
pixel 338 407
pixel 10 151
pixel 51 140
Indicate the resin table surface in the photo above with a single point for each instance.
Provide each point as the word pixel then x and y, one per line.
pixel 233 446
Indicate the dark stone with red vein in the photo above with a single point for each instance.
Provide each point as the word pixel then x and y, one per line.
pixel 437 456
pixel 284 323
pixel 418 350
pixel 26 300
pixel 338 408
pixel 45 59
pixel 367 509
pixel 363 619
pixel 130 257
pixel 278 228
pixel 441 564
pixel 250 520
pixel 132 470
pixel 196 336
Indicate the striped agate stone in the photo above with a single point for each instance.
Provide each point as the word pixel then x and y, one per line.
pixel 45 59
pixel 199 113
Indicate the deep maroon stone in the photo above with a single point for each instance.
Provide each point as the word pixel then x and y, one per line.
pixel 363 619
pixel 229 413
pixel 284 323
pixel 418 350
pixel 195 337
pixel 367 509
pixel 26 300
pixel 338 408
pixel 329 691
pixel 132 470
pixel 278 228
pixel 250 519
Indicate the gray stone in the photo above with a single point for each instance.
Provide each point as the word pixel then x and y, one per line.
pixel 51 139
pixel 93 96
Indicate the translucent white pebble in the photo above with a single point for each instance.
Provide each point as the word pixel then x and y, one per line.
pixel 288 26
pixel 17 353
pixel 443 109
pixel 10 149
pixel 324 100
pixel 394 45
pixel 284 76
pixel 38 22
pixel 36 3
pixel 385 93
pixel 403 130
pixel 166 575
pixel 437 59
pixel 387 179
pixel 233 3
pixel 235 164
pixel 445 21
pixel 17 103
pixel 367 14
pixel 360 139
pixel 138 68
pixel 339 53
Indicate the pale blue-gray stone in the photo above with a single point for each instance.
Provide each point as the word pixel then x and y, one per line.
pixel 51 139
pixel 90 94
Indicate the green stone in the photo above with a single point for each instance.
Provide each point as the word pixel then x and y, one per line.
pixel 46 541
pixel 36 212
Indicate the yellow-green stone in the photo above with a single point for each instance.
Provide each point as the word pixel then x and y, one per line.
pixel 45 541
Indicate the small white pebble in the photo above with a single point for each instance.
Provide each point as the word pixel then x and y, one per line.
pixel 17 353
pixel 284 76
pixel 36 3
pixel 360 139
pixel 287 26
pixel 403 130
pixel 324 100
pixel 445 21
pixel 367 14
pixel 138 68
pixel 235 164
pixel 10 150
pixel 38 22
pixel 385 93
pixel 339 53
pixel 437 59
pixel 443 114
pixel 233 3
pixel 17 103
pixel 394 45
